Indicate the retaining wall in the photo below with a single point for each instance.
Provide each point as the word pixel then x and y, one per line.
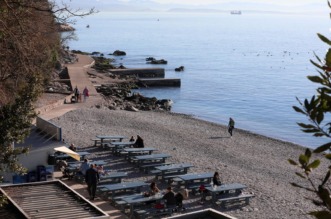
pixel 49 128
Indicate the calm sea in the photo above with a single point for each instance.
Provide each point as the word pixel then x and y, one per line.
pixel 249 67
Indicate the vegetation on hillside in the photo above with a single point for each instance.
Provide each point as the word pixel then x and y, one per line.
pixel 30 48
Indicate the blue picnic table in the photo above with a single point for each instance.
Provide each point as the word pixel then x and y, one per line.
pixel 193 179
pixel 112 177
pixel 64 156
pixel 138 199
pixel 143 159
pixel 124 186
pixel 173 169
pixel 225 189
pixel 135 151
pixel 110 137
pixel 118 146
pixel 77 164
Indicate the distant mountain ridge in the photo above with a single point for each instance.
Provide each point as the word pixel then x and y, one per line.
pixel 149 5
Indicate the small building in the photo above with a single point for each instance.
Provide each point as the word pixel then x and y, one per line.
pixel 43 138
pixel 46 200
pixel 208 213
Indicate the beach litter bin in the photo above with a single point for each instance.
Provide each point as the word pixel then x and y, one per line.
pixel 32 176
pixel 51 160
pixel 41 173
pixel 19 179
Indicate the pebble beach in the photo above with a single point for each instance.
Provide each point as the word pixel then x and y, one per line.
pixel 256 161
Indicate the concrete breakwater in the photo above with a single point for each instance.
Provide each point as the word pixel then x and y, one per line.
pixel 148 77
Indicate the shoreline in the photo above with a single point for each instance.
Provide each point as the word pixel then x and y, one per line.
pixel 254 160
pixel 243 130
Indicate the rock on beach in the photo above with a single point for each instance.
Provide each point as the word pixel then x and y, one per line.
pixel 257 161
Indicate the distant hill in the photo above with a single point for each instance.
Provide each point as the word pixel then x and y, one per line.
pixel 149 5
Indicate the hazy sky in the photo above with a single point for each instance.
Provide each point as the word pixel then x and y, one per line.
pixel 279 2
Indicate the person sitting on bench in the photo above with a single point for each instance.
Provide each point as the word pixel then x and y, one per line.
pixel 139 142
pixel 73 147
pixel 217 179
pixel 170 198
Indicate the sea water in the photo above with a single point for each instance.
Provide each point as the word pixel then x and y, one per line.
pixel 250 67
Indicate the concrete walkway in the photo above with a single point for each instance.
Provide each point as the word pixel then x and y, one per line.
pixel 78 77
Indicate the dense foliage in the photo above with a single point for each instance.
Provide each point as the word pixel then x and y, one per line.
pixel 317 110
pixel 29 45
pixel 29 49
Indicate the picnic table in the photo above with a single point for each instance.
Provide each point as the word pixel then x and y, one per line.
pixel 172 169
pixel 195 179
pixel 77 164
pixel 134 151
pixel 144 159
pixel 119 145
pixel 225 190
pixel 124 186
pixel 73 168
pixel 64 156
pixel 138 199
pixel 112 177
pixel 110 138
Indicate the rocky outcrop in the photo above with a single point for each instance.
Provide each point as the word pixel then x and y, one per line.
pixel 181 68
pixel 119 53
pixel 102 64
pixel 155 61
pixel 119 97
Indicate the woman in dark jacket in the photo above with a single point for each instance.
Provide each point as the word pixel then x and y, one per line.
pixel 139 142
pixel 217 179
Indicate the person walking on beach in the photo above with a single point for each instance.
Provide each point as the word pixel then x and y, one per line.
pixel 92 179
pixel 230 126
pixel 76 93
pixel 85 93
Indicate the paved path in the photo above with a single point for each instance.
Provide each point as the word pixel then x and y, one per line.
pixel 78 77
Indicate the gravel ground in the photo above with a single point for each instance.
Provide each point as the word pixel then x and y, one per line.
pixel 254 160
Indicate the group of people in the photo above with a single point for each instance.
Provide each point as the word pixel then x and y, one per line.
pixel 77 94
pixel 175 200
pixel 171 198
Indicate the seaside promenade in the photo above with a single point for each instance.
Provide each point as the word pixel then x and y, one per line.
pixel 79 77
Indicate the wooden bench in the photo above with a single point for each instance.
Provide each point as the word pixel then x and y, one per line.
pixel 224 202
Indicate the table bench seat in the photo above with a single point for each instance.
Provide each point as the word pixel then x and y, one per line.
pixel 97 141
pixel 155 172
pixel 146 168
pixel 224 202
pixel 174 173
pixel 172 179
pixel 109 146
pixel 152 212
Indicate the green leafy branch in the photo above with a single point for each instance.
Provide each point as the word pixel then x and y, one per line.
pixel 317 110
